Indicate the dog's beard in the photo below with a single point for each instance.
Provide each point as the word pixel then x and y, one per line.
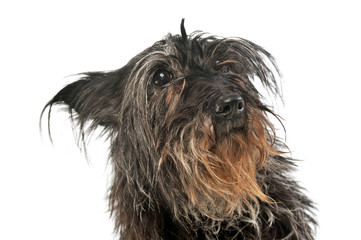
pixel 217 171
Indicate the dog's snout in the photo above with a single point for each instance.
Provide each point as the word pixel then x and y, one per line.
pixel 228 106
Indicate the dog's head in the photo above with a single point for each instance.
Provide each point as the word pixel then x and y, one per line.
pixel 184 119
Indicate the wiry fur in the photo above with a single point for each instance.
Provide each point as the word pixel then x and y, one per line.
pixel 181 171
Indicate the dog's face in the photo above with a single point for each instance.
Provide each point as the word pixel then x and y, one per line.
pixel 186 121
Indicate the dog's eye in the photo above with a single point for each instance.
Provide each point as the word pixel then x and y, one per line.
pixel 224 68
pixel 162 77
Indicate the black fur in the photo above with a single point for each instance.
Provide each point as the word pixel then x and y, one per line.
pixel 194 155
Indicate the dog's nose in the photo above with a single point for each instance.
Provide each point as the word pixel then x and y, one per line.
pixel 229 106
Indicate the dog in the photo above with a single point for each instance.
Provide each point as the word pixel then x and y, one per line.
pixel 193 152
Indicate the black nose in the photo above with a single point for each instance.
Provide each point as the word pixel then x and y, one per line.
pixel 228 106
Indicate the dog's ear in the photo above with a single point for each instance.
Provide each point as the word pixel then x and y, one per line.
pixel 94 99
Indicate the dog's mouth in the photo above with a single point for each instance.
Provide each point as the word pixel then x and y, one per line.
pixel 223 128
pixel 218 160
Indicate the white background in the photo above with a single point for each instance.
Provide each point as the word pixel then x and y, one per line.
pixel 51 192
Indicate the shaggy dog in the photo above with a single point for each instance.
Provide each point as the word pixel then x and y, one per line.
pixel 193 152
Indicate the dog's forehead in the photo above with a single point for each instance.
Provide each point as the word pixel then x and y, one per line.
pixel 201 53
pixel 198 51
